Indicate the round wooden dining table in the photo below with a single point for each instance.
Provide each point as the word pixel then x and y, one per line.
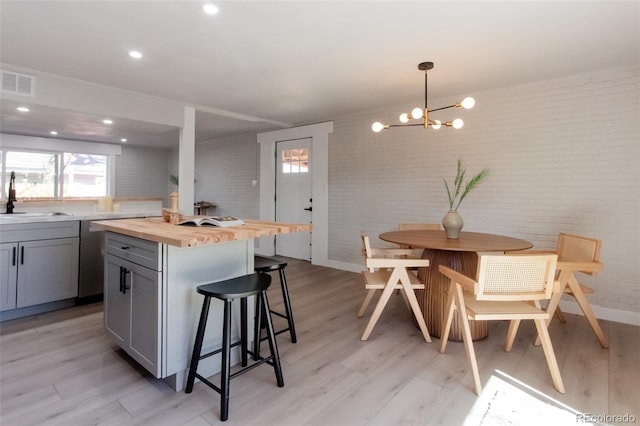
pixel 461 255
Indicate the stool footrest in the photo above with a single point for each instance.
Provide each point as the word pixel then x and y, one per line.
pixel 217 351
pixel 284 330
pixel 268 360
pixel 279 314
pixel 208 383
pixel 260 360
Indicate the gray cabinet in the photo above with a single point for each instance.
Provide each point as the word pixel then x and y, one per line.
pixel 151 306
pixel 8 275
pixel 39 265
pixel 47 271
pixel 132 298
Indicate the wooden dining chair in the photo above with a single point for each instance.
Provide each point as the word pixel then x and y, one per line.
pixel 509 287
pixel 576 254
pixel 387 271
pixel 387 253
pixel 419 227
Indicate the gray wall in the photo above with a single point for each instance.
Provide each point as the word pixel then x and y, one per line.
pixel 225 169
pixel 142 172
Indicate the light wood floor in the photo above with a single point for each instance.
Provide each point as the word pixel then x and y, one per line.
pixel 58 368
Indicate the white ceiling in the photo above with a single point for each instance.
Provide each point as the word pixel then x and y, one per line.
pixel 298 62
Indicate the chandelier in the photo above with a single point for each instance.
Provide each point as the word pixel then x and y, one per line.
pixel 424 113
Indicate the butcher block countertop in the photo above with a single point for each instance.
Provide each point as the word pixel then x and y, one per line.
pixel 157 230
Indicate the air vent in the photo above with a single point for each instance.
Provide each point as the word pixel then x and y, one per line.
pixel 20 84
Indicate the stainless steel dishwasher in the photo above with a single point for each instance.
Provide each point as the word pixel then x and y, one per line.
pixel 91 269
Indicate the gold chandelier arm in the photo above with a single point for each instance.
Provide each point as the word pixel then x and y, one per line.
pixel 402 125
pixel 446 107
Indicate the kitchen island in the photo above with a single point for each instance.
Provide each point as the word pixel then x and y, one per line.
pixel 152 268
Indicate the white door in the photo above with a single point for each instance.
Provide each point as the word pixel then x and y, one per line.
pixel 293 195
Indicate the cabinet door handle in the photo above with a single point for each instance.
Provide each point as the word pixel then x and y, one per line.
pixel 124 280
pixel 22 255
pixel 125 248
pixel 121 276
pixel 13 261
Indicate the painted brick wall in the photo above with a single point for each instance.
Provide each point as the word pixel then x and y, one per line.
pixel 564 156
pixel 224 171
pixel 141 172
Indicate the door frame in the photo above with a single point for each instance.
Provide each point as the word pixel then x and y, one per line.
pixel 319 134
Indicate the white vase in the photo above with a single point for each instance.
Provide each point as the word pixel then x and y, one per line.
pixel 452 223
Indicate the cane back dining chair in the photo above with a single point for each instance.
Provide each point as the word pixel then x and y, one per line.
pixel 509 287
pixel 577 254
pixel 419 227
pixel 387 271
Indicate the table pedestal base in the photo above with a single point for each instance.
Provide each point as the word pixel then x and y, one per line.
pixel 433 299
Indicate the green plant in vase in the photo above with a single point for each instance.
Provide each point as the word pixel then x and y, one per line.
pixel 452 221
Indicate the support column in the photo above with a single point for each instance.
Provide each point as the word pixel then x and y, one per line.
pixel 186 162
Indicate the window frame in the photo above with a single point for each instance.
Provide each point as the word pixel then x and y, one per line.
pixel 57 147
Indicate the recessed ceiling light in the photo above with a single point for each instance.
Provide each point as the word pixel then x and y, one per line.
pixel 210 9
pixel 123 139
pixel 53 132
pixel 23 109
pixel 135 54
pixel 107 121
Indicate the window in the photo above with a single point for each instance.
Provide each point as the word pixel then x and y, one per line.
pixel 35 173
pixel 295 161
pixel 84 175
pixel 55 175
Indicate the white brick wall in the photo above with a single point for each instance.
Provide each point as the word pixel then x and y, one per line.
pixel 564 156
pixel 141 172
pixel 224 171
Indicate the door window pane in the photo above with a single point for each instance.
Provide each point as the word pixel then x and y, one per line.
pixel 295 161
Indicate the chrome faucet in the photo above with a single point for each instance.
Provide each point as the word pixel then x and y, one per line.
pixel 11 196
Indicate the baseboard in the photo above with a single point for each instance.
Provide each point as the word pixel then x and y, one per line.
pixel 89 299
pixel 571 307
pixel 609 314
pixel 36 309
pixel 343 266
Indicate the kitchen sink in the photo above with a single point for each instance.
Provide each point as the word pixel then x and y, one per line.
pixel 25 214
pixel 18 217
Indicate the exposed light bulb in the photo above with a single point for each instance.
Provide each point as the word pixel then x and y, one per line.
pixel 468 103
pixel 135 54
pixel 377 127
pixel 123 139
pixel 416 113
pixel 458 123
pixel 53 132
pixel 107 121
pixel 436 124
pixel 23 109
pixel 404 118
pixel 210 9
